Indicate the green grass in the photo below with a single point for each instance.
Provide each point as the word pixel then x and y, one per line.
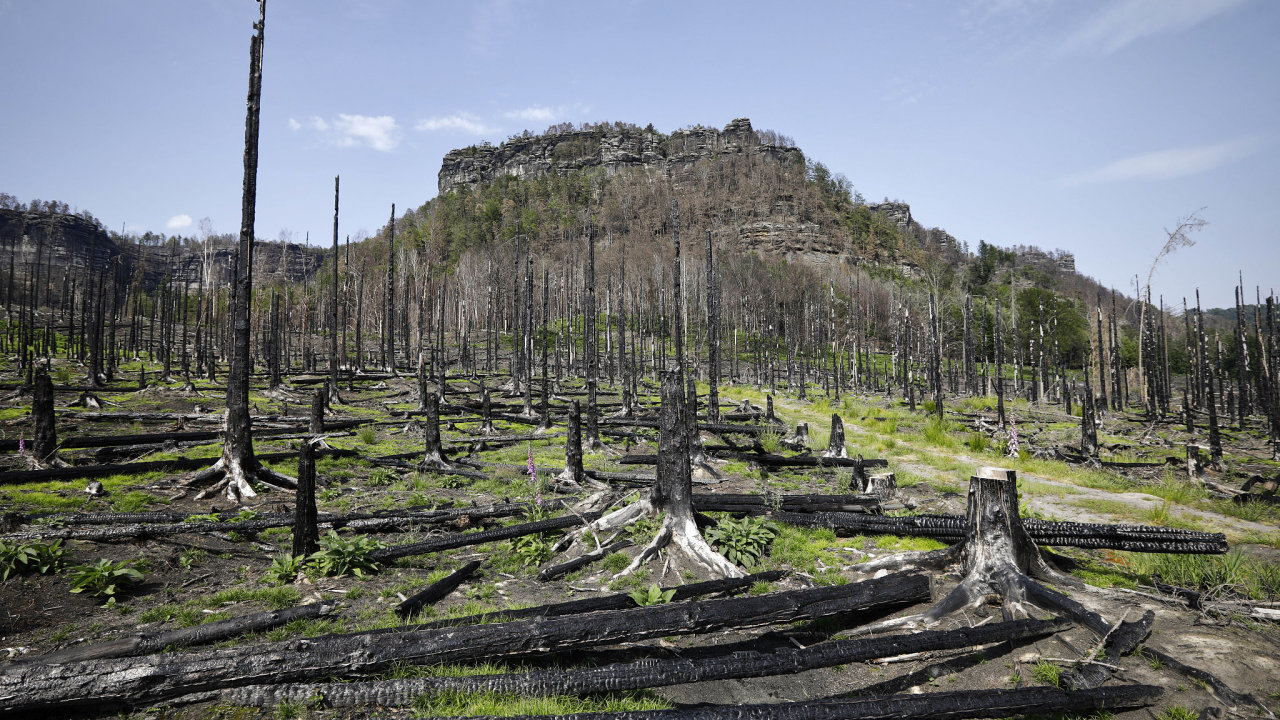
pixel 449 704
pixel 135 501
pixel 1232 575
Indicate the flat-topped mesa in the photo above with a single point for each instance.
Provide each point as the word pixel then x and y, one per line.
pixel 613 147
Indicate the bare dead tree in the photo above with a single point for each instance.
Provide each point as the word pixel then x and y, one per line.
pixel 334 398
pixel 1178 237
pixel 238 463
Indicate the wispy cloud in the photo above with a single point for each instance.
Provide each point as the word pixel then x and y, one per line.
pixel 544 113
pixel 1120 24
pixel 378 132
pixel 1167 164
pixel 178 222
pixel 465 122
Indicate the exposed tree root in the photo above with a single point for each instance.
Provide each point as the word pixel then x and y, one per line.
pixel 232 478
pixel 999 559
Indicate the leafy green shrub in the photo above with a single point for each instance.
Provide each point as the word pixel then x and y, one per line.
pixel 379 477
pixel 36 557
pixel 103 578
pixel 340 556
pixel 742 542
pixel 284 569
pixel 653 595
pixel 531 549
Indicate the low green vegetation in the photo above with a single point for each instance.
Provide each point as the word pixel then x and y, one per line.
pixel 742 542
pixel 103 578
pixel 31 557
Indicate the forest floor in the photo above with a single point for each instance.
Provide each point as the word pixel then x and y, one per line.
pixel 192 579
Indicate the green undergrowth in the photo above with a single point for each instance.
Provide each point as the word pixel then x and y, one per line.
pixel 451 704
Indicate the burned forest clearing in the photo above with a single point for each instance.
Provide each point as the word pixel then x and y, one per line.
pixel 517 454
pixel 802 527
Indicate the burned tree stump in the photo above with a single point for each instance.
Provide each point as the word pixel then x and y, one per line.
pixel 44 445
pixel 573 477
pixel 798 440
pixel 999 558
pixel 434 458
pixel 881 485
pixel 305 533
pixel 315 423
pixel 486 415
pixel 671 494
pixel 835 447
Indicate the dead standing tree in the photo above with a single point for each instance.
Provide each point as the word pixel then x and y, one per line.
pixel 333 397
pixel 1179 237
pixel 672 494
pixel 238 463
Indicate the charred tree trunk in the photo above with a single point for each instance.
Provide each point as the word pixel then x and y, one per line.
pixel 434 458
pixel 1088 421
pixel 389 308
pixel 573 476
pixel 305 533
pixel 44 433
pixel 333 397
pixel 836 448
pixel 238 462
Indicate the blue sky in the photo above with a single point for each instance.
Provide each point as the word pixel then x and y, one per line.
pixel 1085 126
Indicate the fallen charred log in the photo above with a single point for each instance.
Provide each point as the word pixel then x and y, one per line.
pixel 437 590
pixel 950 528
pixel 756 504
pixel 618 601
pixel 641 674
pixel 147 643
pixel 146 525
pixel 554 571
pixel 450 542
pixel 103 684
pixel 92 471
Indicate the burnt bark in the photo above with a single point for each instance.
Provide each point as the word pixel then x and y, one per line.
pixel 305 533
pixel 44 443
pixel 645 673
pixel 147 643
pixel 437 590
pixel 107 684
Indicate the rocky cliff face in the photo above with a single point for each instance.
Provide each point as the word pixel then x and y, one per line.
pixel 68 242
pixel 612 148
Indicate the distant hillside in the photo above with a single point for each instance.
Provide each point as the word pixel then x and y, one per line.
pixel 64 241
pixel 753 189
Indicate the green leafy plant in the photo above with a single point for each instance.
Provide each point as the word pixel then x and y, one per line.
pixel 532 549
pixel 284 569
pixel 342 556
pixel 742 542
pixel 36 557
pixel 103 578
pixel 379 477
pixel 367 435
pixel 653 595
